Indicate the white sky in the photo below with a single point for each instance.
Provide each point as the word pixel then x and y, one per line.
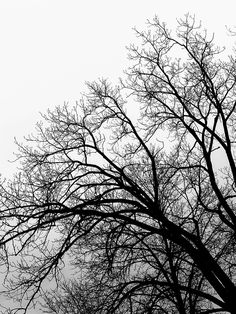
pixel 49 48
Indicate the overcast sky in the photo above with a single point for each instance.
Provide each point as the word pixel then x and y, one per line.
pixel 49 48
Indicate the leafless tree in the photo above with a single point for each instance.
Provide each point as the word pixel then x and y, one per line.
pixel 148 224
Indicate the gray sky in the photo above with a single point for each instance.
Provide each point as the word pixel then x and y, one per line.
pixel 49 48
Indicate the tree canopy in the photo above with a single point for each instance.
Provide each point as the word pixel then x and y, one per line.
pixel 132 190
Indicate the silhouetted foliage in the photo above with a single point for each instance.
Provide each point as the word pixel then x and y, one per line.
pixel 140 209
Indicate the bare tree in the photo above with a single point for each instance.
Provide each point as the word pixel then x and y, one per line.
pixel 143 278
pixel 149 225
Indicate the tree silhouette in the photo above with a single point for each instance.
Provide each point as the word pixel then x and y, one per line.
pixel 139 206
